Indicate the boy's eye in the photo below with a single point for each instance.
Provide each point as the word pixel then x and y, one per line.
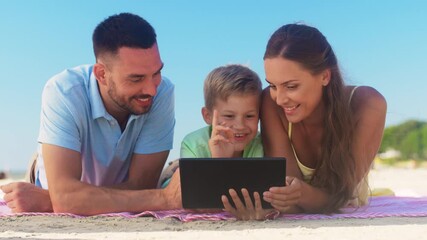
pixel 250 116
pixel 228 116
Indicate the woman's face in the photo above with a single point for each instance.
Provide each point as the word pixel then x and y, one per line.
pixel 296 90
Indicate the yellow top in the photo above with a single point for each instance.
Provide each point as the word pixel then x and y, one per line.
pixel 361 192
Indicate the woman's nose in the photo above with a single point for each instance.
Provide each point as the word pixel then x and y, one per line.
pixel 281 97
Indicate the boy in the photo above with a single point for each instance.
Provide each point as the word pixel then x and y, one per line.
pixel 232 100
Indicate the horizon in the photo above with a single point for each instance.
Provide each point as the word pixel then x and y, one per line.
pixel 379 44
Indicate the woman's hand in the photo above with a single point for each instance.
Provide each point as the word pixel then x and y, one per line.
pixel 247 211
pixel 285 198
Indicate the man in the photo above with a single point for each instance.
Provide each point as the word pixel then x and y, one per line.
pixel 106 130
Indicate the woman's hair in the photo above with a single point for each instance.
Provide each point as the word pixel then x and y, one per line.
pixel 122 30
pixel 224 81
pixel 335 172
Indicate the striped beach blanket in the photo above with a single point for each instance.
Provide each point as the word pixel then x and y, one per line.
pixel 378 207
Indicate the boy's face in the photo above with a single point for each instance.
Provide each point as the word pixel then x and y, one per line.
pixel 241 114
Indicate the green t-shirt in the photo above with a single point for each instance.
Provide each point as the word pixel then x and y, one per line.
pixel 195 144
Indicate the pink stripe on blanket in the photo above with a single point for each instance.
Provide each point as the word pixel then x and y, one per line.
pixel 377 208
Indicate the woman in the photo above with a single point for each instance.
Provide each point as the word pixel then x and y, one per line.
pixel 329 132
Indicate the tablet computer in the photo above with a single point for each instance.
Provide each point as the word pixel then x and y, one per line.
pixel 205 180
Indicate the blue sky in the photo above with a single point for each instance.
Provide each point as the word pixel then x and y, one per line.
pixel 378 43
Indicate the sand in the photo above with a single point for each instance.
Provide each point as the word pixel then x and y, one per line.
pixel 407 182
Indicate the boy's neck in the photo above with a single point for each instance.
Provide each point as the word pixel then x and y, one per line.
pixel 238 154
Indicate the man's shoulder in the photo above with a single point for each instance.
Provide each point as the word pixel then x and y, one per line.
pixel 166 85
pixel 70 88
pixel 71 77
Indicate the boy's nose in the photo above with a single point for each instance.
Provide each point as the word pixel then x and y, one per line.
pixel 238 124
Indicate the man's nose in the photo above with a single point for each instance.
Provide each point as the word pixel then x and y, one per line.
pixel 150 87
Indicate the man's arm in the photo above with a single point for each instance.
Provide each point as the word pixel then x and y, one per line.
pixel 69 194
pixel 26 197
pixel 144 171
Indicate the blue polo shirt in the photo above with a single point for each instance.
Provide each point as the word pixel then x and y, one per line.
pixel 73 116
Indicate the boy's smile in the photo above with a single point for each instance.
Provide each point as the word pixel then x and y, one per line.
pixel 241 114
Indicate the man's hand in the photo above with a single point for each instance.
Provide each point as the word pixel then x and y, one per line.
pixel 172 193
pixel 26 197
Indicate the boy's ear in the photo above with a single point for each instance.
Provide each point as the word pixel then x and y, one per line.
pixel 207 115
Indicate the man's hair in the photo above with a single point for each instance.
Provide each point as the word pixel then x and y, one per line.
pixel 122 30
pixel 224 81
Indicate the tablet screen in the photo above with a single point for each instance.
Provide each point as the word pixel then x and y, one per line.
pixel 205 180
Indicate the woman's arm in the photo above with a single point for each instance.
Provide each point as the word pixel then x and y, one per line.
pixel 276 143
pixel 274 133
pixel 369 110
pixel 296 195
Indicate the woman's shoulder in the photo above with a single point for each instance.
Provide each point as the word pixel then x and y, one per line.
pixel 365 98
pixel 363 94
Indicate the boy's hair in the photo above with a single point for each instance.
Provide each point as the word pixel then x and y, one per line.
pixel 122 30
pixel 226 80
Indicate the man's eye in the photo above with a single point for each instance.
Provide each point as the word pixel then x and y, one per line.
pixel 135 80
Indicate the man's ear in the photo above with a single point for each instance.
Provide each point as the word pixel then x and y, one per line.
pixel 99 70
pixel 207 115
pixel 326 77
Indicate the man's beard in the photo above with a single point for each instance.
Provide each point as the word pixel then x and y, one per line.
pixel 126 104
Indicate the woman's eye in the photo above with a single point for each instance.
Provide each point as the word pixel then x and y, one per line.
pixel 272 87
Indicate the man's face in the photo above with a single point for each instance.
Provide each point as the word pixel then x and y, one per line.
pixel 132 78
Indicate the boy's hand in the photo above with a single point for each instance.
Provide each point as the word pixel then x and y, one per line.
pixel 247 210
pixel 221 143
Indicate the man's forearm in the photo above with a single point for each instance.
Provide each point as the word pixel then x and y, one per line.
pixel 91 200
